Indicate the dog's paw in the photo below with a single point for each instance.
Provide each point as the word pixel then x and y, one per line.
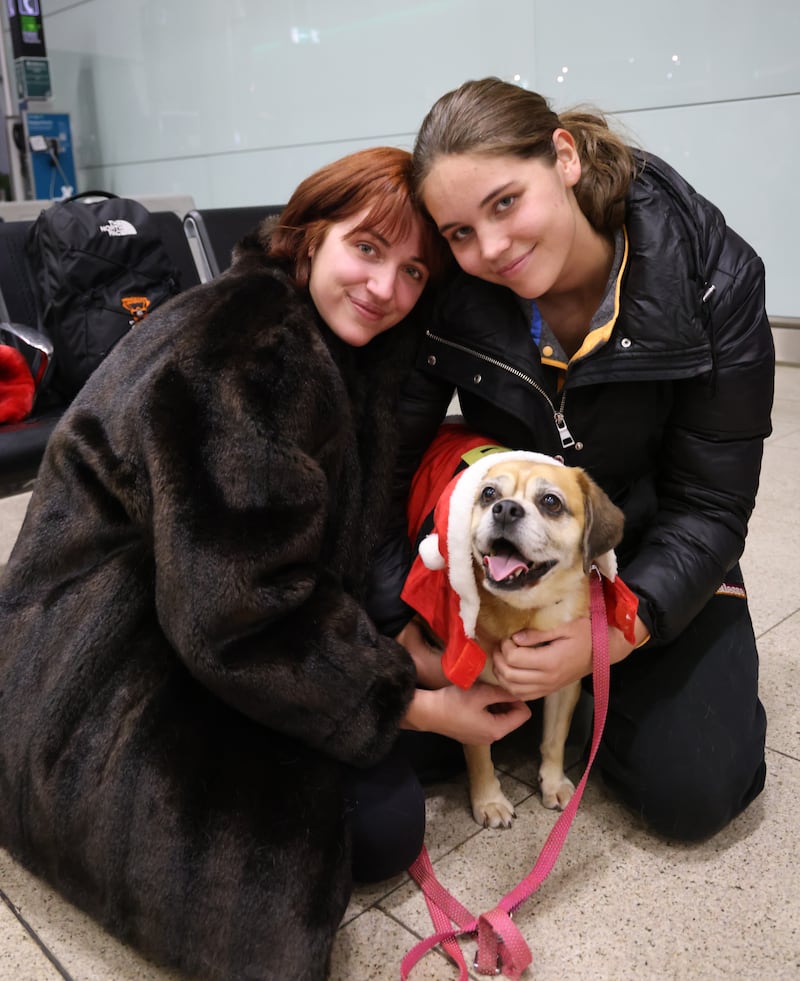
pixel 495 812
pixel 557 790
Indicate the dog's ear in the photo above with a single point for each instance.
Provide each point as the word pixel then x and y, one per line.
pixel 603 521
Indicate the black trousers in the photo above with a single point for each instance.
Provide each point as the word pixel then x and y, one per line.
pixel 683 745
pixel 386 803
pixel 684 739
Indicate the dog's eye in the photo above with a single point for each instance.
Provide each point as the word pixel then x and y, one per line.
pixel 551 504
pixel 488 494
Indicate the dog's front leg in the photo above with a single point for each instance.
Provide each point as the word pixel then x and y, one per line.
pixel 557 788
pixel 490 806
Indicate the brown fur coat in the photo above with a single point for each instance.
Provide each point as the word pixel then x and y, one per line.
pixel 184 653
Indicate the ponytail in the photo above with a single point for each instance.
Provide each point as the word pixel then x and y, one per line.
pixel 607 168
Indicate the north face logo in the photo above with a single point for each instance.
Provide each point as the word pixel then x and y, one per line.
pixel 137 307
pixel 119 226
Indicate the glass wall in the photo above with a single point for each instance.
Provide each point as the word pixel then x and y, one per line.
pixel 233 103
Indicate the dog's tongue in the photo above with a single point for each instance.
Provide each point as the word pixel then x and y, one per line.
pixel 502 566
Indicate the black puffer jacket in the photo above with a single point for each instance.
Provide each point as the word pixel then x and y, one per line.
pixel 668 408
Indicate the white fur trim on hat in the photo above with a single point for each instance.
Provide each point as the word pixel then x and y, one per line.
pixel 459 538
pixel 429 552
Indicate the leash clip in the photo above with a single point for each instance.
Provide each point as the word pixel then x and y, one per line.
pixel 496 971
pixel 499 943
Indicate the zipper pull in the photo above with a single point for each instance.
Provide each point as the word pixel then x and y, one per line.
pixel 563 432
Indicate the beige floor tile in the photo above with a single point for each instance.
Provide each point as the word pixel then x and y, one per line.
pixel 779 476
pixel 621 904
pixel 785 428
pixel 372 947
pixel 786 407
pixel 771 560
pixel 20 956
pixel 366 896
pixel 12 511
pixel 787 382
pixel 779 685
pixel 86 951
pixel 771 567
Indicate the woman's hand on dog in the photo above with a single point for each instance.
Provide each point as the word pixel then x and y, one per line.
pixel 426 655
pixel 476 716
pixel 535 663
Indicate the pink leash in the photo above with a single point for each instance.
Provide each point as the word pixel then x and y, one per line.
pixel 501 947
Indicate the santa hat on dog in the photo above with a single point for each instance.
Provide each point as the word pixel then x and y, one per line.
pixel 447 552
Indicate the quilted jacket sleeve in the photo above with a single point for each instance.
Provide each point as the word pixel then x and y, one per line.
pixel 712 455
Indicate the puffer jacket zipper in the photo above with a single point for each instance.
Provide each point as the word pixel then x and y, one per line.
pixel 558 413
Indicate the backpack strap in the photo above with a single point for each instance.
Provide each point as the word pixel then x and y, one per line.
pixel 90 194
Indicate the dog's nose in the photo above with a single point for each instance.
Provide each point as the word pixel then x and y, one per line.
pixel 507 511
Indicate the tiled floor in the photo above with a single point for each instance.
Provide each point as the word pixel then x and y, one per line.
pixel 620 904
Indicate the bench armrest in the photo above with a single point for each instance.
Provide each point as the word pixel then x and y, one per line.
pixel 36 346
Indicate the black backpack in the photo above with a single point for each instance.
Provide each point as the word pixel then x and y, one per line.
pixel 100 267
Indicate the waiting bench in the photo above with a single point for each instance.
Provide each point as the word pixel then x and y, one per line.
pixel 22 443
pixel 199 242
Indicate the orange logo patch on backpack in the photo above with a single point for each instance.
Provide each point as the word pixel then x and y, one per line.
pixel 137 306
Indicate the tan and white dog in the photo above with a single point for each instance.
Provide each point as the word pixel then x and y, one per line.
pixel 522 534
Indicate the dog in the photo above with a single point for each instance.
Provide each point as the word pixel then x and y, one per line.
pixel 523 532
pixel 536 530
